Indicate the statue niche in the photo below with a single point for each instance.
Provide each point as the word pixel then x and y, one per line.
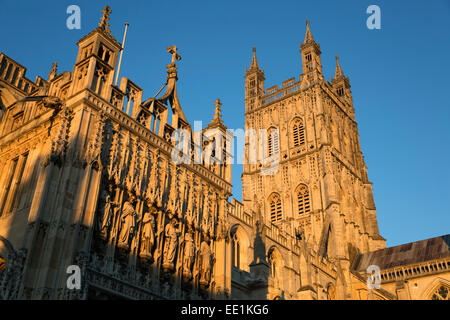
pixel 188 254
pixel 107 212
pixel 148 234
pixel 170 245
pixel 127 223
pixel 205 263
pixel 160 176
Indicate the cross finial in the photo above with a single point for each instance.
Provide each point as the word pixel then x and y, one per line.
pixel 175 56
pixel 104 22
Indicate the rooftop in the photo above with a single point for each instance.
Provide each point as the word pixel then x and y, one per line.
pixel 406 254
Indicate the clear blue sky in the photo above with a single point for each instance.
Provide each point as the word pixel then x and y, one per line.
pixel 399 76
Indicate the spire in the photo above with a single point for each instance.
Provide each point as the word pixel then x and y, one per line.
pixel 104 22
pixel 308 35
pixel 338 73
pixel 254 63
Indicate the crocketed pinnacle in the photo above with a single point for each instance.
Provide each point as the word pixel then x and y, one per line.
pixel 308 35
pixel 254 63
pixel 338 73
pixel 217 113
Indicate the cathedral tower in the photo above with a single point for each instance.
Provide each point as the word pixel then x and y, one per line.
pixel 320 193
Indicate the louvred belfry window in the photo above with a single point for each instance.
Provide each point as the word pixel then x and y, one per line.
pixel 298 133
pixel 272 142
pixel 303 200
pixel 276 211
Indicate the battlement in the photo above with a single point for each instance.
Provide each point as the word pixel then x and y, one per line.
pixel 14 74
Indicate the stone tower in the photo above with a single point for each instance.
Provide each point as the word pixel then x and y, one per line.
pixel 320 192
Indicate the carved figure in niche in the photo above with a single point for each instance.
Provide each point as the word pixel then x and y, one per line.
pixel 173 192
pixel 170 245
pixel 148 233
pixel 190 205
pixel 223 229
pixel 104 220
pixel 189 250
pixel 127 223
pixel 205 262
pixel 160 181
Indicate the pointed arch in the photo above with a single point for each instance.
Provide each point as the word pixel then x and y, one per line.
pixel 276 263
pixel 439 289
pixel 240 242
pixel 275 207
pixel 303 199
pixel 273 141
pixel 297 132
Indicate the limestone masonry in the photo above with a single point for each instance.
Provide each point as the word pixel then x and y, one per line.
pixel 87 178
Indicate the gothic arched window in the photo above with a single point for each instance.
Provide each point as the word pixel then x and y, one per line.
pixel 272 141
pixel 239 242
pixel 99 80
pixel 303 199
pixel 276 211
pixel 235 252
pixel 276 264
pixel 298 133
pixel 441 293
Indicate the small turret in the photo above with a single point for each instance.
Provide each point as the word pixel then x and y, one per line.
pixel 311 62
pixel 254 84
pixel 341 84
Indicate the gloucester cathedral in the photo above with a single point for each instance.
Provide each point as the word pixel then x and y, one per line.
pixel 88 182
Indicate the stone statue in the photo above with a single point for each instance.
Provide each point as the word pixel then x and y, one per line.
pixel 128 224
pixel 104 221
pixel 189 250
pixel 170 245
pixel 223 229
pixel 205 263
pixel 148 234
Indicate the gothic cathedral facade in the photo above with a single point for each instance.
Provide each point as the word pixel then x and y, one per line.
pixel 88 180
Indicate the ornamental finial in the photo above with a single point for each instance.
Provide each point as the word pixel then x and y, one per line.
pixel 175 56
pixel 104 22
